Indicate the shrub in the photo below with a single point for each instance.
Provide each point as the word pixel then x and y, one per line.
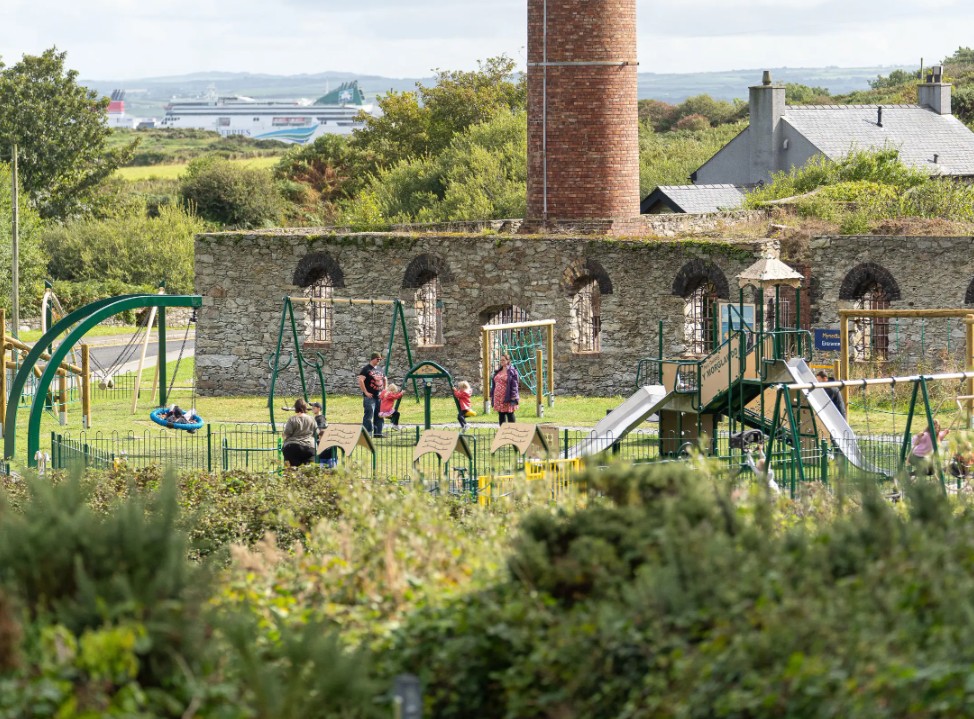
pixel 131 249
pixel 222 192
pixel 693 123
pixel 671 600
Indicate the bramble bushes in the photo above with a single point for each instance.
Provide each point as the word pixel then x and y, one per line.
pixel 674 601
pixel 102 614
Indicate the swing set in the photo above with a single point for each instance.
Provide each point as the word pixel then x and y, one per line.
pixel 288 325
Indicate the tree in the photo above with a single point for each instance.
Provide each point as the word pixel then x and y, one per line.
pixel 60 131
pixel 425 121
pixel 132 249
pixel 893 80
pixel 221 191
pixel 481 175
pixel 32 260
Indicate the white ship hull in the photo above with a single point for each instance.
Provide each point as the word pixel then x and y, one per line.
pixel 293 121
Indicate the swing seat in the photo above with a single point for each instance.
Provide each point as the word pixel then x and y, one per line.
pixel 158 416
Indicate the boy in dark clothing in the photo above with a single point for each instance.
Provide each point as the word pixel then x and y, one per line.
pixel 833 392
pixel 371 381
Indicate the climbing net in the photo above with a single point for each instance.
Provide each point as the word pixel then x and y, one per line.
pixel 521 340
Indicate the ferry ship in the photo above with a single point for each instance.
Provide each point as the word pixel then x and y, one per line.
pixel 293 121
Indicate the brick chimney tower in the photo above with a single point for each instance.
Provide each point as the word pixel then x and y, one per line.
pixel 583 145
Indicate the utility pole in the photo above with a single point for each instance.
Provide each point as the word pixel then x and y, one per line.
pixel 15 270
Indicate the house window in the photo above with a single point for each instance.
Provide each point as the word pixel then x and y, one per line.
pixel 429 311
pixel 870 335
pixel 586 317
pixel 321 311
pixel 698 319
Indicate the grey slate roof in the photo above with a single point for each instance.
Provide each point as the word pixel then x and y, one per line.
pixel 699 199
pixel 918 134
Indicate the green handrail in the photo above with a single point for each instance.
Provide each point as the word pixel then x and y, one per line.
pixel 74 336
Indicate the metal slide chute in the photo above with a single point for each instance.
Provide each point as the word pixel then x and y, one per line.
pixel 623 419
pixel 831 418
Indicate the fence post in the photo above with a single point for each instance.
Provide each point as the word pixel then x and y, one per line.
pixel 209 448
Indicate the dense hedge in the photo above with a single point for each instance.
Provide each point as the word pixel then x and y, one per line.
pixel 671 592
pixel 673 601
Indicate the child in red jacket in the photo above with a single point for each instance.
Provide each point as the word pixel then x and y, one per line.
pixel 387 405
pixel 463 393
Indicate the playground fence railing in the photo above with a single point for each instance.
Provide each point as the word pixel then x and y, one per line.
pixel 254 448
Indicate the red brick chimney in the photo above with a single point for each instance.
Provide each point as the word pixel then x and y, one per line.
pixel 583 147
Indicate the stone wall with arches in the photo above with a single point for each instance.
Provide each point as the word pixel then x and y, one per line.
pixel 244 277
pixel 906 273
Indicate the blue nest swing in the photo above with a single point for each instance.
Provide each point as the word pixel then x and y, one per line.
pixel 158 416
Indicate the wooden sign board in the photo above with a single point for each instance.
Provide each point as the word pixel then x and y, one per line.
pixel 552 437
pixel 443 443
pixel 345 436
pixel 721 369
pixel 524 437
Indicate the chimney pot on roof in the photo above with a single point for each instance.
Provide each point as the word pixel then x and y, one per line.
pixel 879 116
pixel 935 158
pixel 766 78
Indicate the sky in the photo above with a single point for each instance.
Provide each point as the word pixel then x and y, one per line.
pixel 128 39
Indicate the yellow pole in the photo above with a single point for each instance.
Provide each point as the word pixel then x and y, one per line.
pixel 538 384
pixel 551 365
pixel 485 359
pixel 85 386
pixel 844 355
pixel 62 390
pixel 969 366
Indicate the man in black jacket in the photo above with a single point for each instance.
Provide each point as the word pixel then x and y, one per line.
pixel 833 392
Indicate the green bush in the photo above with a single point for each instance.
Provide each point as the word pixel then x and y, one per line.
pixel 229 194
pixel 102 613
pixel 132 249
pixel 674 600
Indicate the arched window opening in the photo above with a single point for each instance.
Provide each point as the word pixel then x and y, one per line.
pixel 320 320
pixel 429 311
pixel 698 318
pixel 504 315
pixel 870 335
pixel 585 316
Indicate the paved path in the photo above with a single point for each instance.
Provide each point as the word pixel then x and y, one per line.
pixel 105 351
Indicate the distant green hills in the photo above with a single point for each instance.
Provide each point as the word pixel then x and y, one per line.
pixel 146 97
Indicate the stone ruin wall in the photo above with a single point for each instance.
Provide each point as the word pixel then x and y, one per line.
pixel 244 277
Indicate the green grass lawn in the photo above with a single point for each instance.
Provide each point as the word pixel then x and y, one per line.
pixel 175 170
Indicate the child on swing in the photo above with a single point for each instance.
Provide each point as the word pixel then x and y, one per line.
pixel 387 405
pixel 463 394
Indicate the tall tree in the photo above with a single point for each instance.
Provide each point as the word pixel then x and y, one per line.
pixel 60 131
pixel 426 121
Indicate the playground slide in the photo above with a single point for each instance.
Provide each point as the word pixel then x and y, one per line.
pixel 628 415
pixel 842 434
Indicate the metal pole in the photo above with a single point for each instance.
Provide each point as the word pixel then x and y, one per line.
pixel 15 254
pixel 85 386
pixel 844 355
pixel 539 384
pixel 485 360
pixel 551 365
pixel 161 361
pixel 145 348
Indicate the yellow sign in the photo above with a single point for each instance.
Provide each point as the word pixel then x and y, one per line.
pixel 721 369
pixel 524 437
pixel 345 436
pixel 441 442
